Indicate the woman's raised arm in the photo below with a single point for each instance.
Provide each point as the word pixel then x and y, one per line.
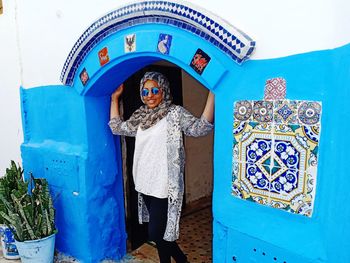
pixel 208 111
pixel 114 112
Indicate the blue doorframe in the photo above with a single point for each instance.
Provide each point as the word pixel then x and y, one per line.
pixel 96 92
pixel 77 152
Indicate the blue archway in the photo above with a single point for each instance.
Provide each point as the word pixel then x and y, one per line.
pixel 84 152
pixel 66 137
pixel 190 30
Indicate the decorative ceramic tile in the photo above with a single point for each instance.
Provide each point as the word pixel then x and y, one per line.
pixel 202 23
pixel 200 61
pixel 294 191
pixel 284 183
pixel 243 110
pixel 251 140
pixel 275 160
pixel 164 43
pixel 130 43
pixel 250 182
pixel 257 148
pixel 84 76
pixel 312 133
pixel 288 152
pixel 309 112
pixel 263 111
pixel 296 145
pixel 103 56
pixel 285 111
pixel 275 89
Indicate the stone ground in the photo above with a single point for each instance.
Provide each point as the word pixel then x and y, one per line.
pixel 195 240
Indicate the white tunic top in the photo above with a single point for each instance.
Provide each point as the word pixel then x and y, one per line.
pixel 150 169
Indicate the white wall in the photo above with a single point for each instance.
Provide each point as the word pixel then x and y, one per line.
pixel 280 28
pixel 10 116
pixel 49 29
pixel 288 27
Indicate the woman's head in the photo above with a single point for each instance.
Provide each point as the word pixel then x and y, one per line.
pixel 154 89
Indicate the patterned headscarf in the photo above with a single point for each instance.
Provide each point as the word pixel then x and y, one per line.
pixel 146 117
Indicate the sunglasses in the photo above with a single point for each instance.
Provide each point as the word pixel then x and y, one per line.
pixel 154 91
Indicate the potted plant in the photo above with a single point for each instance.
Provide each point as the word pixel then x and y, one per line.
pixel 7 184
pixel 26 208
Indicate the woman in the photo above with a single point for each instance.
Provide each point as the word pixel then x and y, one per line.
pixel 159 157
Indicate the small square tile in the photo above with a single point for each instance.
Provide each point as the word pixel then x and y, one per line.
pixel 243 110
pixel 257 149
pixel 309 112
pixel 251 140
pixel 200 61
pixel 164 43
pixel 294 192
pixel 103 56
pixel 284 182
pixel 285 111
pixel 263 111
pixel 250 182
pixel 296 146
pixel 288 153
pixel 275 89
pixel 130 43
pixel 84 77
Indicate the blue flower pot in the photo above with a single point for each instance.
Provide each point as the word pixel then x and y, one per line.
pixel 9 249
pixel 37 251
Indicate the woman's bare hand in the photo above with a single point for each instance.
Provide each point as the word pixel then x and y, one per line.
pixel 208 112
pixel 114 112
pixel 116 94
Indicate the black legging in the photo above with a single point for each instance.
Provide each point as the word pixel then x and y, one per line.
pixel 158 214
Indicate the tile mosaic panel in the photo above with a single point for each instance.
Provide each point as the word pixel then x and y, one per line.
pixel 275 153
pixel 275 89
pixel 202 23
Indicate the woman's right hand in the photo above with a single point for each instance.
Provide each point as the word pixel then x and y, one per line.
pixel 114 112
pixel 116 94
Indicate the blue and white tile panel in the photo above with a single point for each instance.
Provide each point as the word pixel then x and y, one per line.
pixel 188 17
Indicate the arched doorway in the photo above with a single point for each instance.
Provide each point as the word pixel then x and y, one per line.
pixel 91 204
pixel 187 92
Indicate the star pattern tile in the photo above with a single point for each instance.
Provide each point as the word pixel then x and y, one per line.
pixel 275 152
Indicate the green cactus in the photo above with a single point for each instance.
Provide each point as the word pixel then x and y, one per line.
pixel 30 213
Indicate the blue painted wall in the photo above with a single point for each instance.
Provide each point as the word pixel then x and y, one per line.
pixel 254 233
pixel 67 140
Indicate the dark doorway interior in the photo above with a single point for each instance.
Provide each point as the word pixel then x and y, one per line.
pixel 137 234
